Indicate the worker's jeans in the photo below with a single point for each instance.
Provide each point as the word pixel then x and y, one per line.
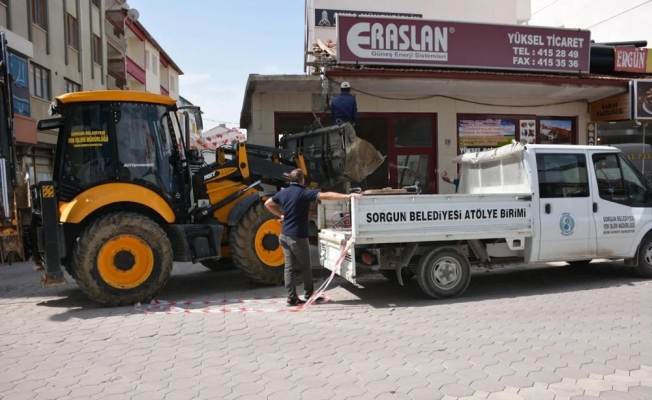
pixel 297 255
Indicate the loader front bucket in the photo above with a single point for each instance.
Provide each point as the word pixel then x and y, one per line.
pixel 334 154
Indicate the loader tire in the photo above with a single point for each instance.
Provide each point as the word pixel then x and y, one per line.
pixel 122 258
pixel 255 247
pixel 222 264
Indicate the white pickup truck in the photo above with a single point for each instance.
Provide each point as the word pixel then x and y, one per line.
pixel 515 204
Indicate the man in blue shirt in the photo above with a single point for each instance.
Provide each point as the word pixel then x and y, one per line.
pixel 344 107
pixel 292 206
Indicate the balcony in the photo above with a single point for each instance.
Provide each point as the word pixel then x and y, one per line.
pixel 135 70
pixel 164 91
pixel 116 37
pixel 117 77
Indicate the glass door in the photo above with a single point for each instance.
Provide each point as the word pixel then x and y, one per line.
pixel 413 151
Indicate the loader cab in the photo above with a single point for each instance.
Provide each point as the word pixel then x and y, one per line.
pixel 119 136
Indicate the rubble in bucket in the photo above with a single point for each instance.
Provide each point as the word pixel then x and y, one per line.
pixel 335 154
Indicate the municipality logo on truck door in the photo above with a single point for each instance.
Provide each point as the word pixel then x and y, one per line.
pixel 566 224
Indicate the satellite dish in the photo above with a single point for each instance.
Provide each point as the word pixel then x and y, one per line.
pixel 133 14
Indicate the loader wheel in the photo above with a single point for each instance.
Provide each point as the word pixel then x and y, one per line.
pixel 122 258
pixel 222 264
pixel 443 272
pixel 255 247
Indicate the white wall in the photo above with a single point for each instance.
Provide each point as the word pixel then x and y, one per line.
pixel 632 25
pixel 265 104
pixel 488 11
pixel 152 82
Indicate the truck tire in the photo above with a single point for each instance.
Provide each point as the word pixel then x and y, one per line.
pixel 390 274
pixel 443 272
pixel 139 247
pixel 644 267
pixel 255 247
pixel 222 264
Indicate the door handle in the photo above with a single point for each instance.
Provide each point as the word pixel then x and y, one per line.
pixel 595 207
pixel 548 208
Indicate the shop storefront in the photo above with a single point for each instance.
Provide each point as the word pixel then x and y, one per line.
pixel 422 106
pixel 625 122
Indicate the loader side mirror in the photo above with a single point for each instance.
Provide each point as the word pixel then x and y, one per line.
pixel 52 123
pixel 198 120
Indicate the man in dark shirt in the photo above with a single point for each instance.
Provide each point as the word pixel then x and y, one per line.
pixel 292 206
pixel 344 107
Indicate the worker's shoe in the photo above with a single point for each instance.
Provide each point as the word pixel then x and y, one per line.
pixel 295 301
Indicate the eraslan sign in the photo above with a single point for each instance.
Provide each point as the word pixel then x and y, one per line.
pixel 429 43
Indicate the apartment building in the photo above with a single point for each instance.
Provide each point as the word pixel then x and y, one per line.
pixel 62 46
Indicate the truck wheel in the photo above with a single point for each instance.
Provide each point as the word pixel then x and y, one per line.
pixel 644 267
pixel 390 274
pixel 222 264
pixel 122 258
pixel 443 272
pixel 255 247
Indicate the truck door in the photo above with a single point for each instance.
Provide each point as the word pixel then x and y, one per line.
pixel 566 224
pixel 620 200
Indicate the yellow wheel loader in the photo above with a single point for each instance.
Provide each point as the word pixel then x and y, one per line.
pixel 129 198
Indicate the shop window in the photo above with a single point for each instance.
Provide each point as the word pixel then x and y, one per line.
pixel 618 180
pixel 97 50
pixel 70 86
pixel 479 132
pixel 556 130
pixel 39 14
pixel 562 175
pixel 413 131
pixel 40 81
pixel 73 32
pixel 19 70
pixel 413 168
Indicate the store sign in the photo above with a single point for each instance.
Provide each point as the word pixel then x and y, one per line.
pixel 632 59
pixel 327 18
pixel 642 99
pixel 616 108
pixel 417 42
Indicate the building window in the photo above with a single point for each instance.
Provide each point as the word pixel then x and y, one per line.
pixel 19 70
pixel 73 33
pixel 562 175
pixel 38 14
pixel 40 78
pixel 70 86
pixel 3 2
pixel 154 64
pixel 97 50
pixel 146 59
pixel 172 83
pixel 97 3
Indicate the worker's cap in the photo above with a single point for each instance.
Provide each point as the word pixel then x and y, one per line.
pixel 345 85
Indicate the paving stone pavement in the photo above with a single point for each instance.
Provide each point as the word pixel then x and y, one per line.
pixel 551 333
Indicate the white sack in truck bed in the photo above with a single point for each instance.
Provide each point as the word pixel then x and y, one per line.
pixel 499 170
pixel 362 158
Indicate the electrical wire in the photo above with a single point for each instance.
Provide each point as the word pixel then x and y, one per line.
pixel 432 96
pixel 541 9
pixel 617 15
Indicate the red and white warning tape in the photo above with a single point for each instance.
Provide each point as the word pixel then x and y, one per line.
pixel 173 309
